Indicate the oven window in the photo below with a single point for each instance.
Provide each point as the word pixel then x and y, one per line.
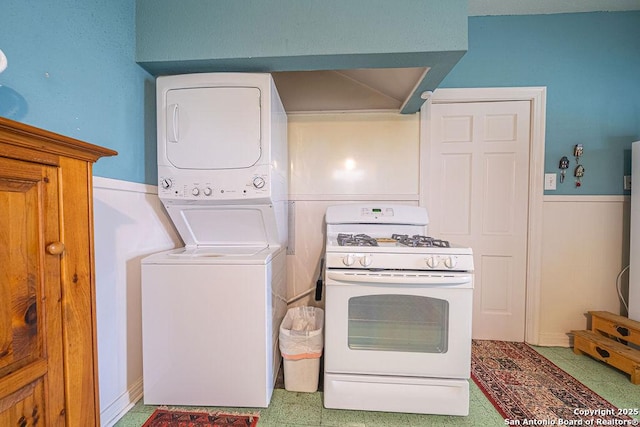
pixel 405 323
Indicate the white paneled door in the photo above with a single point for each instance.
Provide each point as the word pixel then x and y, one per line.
pixel 477 195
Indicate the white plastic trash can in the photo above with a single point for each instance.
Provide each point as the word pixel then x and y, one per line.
pixel 301 343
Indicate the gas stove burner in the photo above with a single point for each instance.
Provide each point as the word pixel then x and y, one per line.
pixel 420 241
pixel 356 240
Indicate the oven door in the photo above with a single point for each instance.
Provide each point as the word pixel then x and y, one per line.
pixel 410 323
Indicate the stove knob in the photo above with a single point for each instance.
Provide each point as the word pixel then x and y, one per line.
pixel 349 260
pixel 195 191
pixel 450 262
pixel 208 191
pixel 432 262
pixel 365 261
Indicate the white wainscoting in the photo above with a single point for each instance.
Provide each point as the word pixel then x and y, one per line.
pixel 585 246
pixel 129 224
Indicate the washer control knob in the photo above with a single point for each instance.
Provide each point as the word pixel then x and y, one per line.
pixel 207 191
pixel 258 182
pixel 195 191
pixel 366 261
pixel 432 262
pixel 349 260
pixel 450 262
pixel 166 183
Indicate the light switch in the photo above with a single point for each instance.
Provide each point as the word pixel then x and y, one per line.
pixel 549 181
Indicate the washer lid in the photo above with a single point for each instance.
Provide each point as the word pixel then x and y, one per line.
pixel 213 127
pixel 214 256
pixel 216 251
pixel 225 225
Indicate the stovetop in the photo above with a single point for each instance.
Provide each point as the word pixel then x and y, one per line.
pixel 389 237
pixel 347 250
pixel 416 240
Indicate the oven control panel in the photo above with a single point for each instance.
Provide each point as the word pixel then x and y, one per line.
pixel 356 213
pixel 386 261
pixel 366 212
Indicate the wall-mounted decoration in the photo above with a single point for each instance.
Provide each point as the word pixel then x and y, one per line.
pixel 3 61
pixel 578 172
pixel 564 165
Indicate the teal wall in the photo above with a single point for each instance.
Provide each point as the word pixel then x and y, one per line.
pixel 72 71
pixel 294 35
pixel 590 64
pixel 279 30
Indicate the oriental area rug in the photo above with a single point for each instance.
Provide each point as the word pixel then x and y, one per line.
pixel 183 418
pixel 528 389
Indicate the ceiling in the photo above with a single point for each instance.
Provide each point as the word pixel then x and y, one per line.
pixel 541 7
pixel 347 90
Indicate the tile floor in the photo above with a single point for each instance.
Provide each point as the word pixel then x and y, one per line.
pixel 291 409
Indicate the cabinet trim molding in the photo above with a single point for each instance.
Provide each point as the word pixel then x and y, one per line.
pixel 25 136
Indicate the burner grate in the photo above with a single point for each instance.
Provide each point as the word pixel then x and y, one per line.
pixel 356 240
pixel 420 241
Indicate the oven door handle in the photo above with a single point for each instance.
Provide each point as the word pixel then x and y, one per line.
pixel 414 278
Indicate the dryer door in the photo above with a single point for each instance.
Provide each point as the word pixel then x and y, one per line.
pixel 213 127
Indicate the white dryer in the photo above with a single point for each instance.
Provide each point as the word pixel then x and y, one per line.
pixel 211 310
pixel 222 140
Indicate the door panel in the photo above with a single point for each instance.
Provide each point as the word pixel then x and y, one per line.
pixel 456 170
pixel 27 406
pixel 496 298
pixel 371 354
pixel 213 128
pixel 499 194
pixel 478 186
pixel 31 386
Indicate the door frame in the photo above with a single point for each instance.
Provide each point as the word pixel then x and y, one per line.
pixel 537 96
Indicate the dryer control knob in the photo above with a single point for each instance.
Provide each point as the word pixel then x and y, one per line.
pixel 195 191
pixel 258 182
pixel 207 191
pixel 166 183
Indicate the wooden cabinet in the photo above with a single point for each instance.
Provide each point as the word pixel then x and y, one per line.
pixel 48 355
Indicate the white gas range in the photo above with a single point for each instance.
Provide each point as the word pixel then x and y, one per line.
pixel 398 313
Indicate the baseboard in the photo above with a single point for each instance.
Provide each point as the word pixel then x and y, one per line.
pixel 554 340
pixel 123 404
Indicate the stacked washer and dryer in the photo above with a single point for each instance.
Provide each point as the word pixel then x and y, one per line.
pixel 211 309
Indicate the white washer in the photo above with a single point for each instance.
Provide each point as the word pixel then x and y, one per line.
pixel 210 323
pixel 211 310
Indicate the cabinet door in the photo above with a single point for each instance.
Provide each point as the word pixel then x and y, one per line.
pixel 31 373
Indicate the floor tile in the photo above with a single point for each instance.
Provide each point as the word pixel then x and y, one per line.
pixel 133 419
pixel 293 409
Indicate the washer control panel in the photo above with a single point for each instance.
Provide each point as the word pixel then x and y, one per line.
pixel 216 185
